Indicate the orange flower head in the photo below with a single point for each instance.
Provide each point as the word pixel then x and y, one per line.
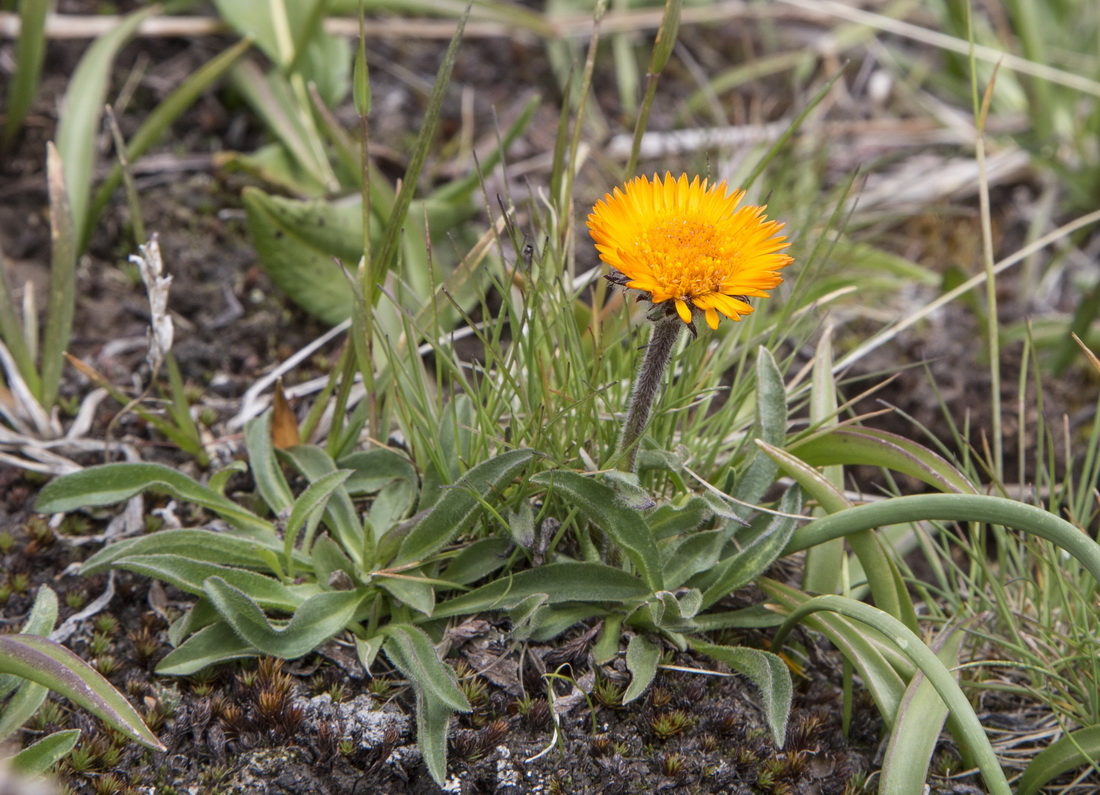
pixel 689 243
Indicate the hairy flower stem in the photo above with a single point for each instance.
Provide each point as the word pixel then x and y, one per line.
pixel 647 385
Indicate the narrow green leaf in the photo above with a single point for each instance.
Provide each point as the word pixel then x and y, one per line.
pixel 301 268
pixel 310 502
pixel 43 613
pixel 265 468
pixel 61 301
pixel 1080 747
pixel 478 560
pixel 30 50
pixel 765 670
pixel 360 92
pixel 460 505
pixel 917 729
pixel 83 105
pixel 328 557
pixel 642 656
pixel 433 721
pixel 388 249
pixel 213 644
pixel 420 596
pixel 36 759
pixel 316 620
pixel 13 333
pixel 691 555
pixel 373 469
pixel 626 526
pixel 189 575
pixel 676 518
pixel 562 582
pixel 52 665
pixel 340 514
pixel 202 545
pixel 110 483
pixel 771 426
pixel 412 651
pixel 20 707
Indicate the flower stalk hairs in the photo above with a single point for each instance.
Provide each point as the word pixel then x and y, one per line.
pixel 688 248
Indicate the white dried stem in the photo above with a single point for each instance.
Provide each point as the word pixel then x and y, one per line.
pixel 156 285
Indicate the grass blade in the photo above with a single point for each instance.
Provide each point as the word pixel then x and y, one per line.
pixel 30 51
pixel 62 298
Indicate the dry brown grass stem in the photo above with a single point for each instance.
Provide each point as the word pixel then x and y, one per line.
pixel 73 26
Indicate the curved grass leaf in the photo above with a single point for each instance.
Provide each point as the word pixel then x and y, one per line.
pixel 601 505
pixel 1080 747
pixel 866 446
pixel 561 582
pixel 214 643
pixel 316 620
pixel 52 665
pixel 36 759
pixel 110 483
pixel 642 656
pixel 460 505
pixel 953 508
pixel 765 670
pixel 879 674
pixel 971 735
pixel 885 581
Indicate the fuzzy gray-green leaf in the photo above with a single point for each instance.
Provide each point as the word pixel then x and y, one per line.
pixel 642 656
pixel 460 505
pixel 768 672
pixel 600 504
pixel 110 483
pixel 316 620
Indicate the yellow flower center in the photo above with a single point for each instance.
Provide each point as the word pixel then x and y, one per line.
pixel 685 255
